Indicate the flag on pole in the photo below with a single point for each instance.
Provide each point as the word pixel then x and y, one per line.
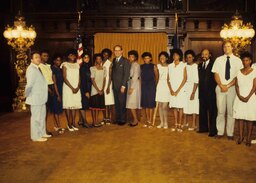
pixel 79 49
pixel 79 41
pixel 175 37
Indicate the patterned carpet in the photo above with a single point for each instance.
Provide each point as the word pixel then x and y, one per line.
pixel 120 154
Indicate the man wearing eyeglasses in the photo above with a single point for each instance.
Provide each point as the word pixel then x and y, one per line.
pixel 119 74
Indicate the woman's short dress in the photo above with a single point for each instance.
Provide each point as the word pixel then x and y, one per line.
pixel 71 100
pixel 245 110
pixel 109 98
pixel 191 106
pixel 57 105
pixel 97 101
pixel 162 89
pixel 148 86
pixel 133 100
pixel 176 76
pixel 86 84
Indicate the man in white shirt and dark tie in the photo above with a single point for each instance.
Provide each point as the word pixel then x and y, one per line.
pixel 225 70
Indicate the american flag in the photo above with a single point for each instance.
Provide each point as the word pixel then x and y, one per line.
pixel 79 49
pixel 175 40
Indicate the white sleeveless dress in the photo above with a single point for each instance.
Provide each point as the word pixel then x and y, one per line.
pixel 162 89
pixel 71 100
pixel 191 106
pixel 109 98
pixel 176 77
pixel 245 110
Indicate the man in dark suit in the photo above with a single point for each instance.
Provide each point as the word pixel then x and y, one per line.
pixel 207 96
pixel 120 73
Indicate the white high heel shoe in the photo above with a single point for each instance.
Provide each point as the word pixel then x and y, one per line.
pixel 70 129
pixel 159 126
pixel 75 128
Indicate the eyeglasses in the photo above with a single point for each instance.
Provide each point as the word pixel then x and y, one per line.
pixel 117 50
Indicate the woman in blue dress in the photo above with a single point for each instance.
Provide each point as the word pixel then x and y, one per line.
pixel 57 96
pixel 85 88
pixel 149 77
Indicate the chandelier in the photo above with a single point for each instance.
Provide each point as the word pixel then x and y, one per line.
pixel 20 38
pixel 238 33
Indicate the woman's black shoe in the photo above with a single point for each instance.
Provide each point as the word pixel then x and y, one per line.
pixel 248 143
pixel 86 125
pixel 133 124
pixel 239 140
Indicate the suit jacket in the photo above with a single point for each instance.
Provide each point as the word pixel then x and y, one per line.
pixel 36 90
pixel 120 73
pixel 207 83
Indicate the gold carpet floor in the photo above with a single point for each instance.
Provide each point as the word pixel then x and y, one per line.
pixel 120 154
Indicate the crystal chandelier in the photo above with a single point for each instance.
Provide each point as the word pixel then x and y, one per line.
pixel 20 38
pixel 238 33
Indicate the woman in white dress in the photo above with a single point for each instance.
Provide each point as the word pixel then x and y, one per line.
pixel 97 99
pixel 177 77
pixel 108 95
pixel 134 87
pixel 191 90
pixel 71 89
pixel 162 89
pixel 244 109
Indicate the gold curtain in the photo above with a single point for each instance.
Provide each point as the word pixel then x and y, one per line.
pixel 142 42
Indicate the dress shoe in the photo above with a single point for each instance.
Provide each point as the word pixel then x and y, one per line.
pixel 248 143
pixel 253 141
pixel 49 133
pixel 75 128
pixel 121 123
pixel 40 140
pixel 97 125
pixel 230 137
pixel 133 124
pixel 165 127
pixel 218 136
pixel 47 136
pixel 159 126
pixel 86 125
pixel 108 122
pixel 191 129
pixel 211 135
pixel 70 129
pixel 239 140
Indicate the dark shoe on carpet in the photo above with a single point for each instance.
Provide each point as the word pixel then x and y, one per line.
pixel 218 136
pixel 230 137
pixel 211 135
pixel 239 140
pixel 133 124
pixel 86 125
pixel 121 123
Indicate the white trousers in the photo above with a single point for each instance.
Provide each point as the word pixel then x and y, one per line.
pixel 37 121
pixel 225 102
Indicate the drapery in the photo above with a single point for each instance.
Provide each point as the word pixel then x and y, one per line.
pixel 142 42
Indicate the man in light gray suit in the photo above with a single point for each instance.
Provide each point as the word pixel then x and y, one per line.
pixel 36 93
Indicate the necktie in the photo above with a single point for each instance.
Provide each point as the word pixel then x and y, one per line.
pixel 227 73
pixel 204 65
pixel 40 69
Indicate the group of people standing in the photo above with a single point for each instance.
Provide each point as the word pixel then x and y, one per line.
pixel 191 87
